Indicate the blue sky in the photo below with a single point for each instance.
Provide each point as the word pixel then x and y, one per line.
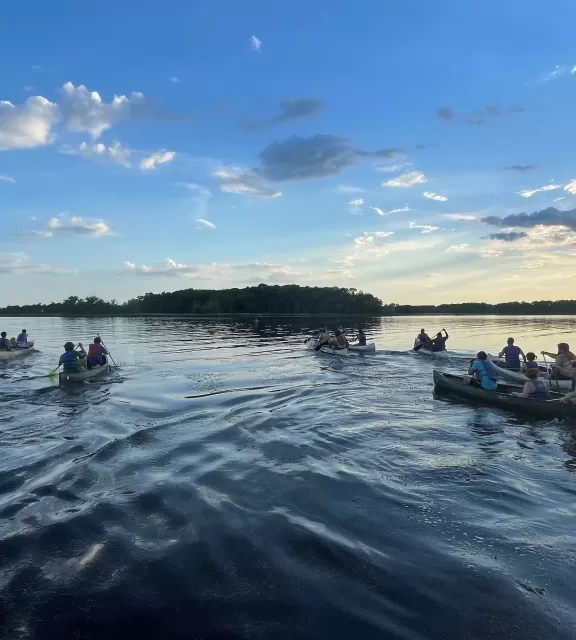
pixel 150 147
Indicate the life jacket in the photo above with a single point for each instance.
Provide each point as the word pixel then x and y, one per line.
pixel 362 340
pixel 486 379
pixel 532 365
pixel 95 352
pixel 540 392
pixel 5 343
pixel 341 340
pixel 70 361
pixel 512 355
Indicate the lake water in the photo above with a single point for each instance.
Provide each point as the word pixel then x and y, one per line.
pixel 225 483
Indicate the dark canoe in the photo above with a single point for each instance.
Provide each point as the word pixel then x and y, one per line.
pixel 502 397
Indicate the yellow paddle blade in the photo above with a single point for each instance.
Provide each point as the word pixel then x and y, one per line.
pixel 53 372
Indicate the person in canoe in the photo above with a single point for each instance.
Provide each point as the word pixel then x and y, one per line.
pixel 569 398
pixel 361 337
pixel 530 362
pixel 96 354
pixel 439 342
pixel 564 362
pixel 324 338
pixel 339 341
pixel 484 372
pixel 5 344
pixel 512 355
pixel 22 340
pixel 73 361
pixel 422 340
pixel 534 389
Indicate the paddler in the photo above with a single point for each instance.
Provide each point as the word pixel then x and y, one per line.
pixel 361 337
pixel 323 338
pixel 564 361
pixel 439 342
pixel 96 354
pixel 484 372
pixel 73 361
pixel 339 340
pixel 22 340
pixel 534 389
pixel 5 344
pixel 530 362
pixel 512 355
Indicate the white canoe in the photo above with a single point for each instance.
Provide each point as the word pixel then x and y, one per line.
pixel 83 375
pixel 520 378
pixel 17 351
pixel 366 347
pixel 312 342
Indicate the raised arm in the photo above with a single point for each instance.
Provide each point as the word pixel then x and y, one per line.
pixel 523 355
pixel 547 353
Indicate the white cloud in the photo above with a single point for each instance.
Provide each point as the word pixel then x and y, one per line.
pixel 355 206
pixel 559 70
pixel 409 179
pixel 435 196
pixel 200 199
pixel 7 179
pixel 245 182
pixel 371 237
pixel 27 125
pixel 205 223
pixel 457 248
pixel 255 43
pixel 570 188
pixel 100 152
pixel 223 272
pixel 381 212
pixel 426 228
pixel 19 264
pixel 528 193
pixel 174 79
pixel 158 158
pixel 460 216
pixel 392 168
pixel 573 69
pixel 349 188
pixel 563 197
pixel 81 226
pixel 84 111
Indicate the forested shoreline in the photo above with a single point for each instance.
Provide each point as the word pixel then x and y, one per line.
pixel 277 300
pixel 263 299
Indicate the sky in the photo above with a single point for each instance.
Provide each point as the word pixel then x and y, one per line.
pixel 422 152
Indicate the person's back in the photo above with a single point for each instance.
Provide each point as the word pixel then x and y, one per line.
pixel 69 359
pixel 530 362
pixel 340 339
pixel 539 390
pixel 512 356
pixel 361 338
pixel 484 372
pixel 96 353
pixel 22 339
pixel 439 342
pixel 5 344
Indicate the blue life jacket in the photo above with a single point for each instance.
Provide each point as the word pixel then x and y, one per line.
pixel 5 344
pixel 362 340
pixel 70 361
pixel 532 365
pixel 512 355
pixel 541 391
pixel 487 374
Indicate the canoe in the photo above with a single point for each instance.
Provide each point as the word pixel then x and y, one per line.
pixel 17 351
pixel 519 378
pixel 64 378
pixel 312 342
pixel 502 397
pixel 333 352
pixel 362 348
pixel 427 352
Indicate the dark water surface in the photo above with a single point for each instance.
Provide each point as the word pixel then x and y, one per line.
pixel 225 483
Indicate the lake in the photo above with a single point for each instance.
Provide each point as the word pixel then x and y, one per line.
pixel 225 483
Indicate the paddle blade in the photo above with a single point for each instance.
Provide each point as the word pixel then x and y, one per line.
pixel 52 373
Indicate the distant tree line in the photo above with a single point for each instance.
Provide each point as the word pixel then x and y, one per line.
pixel 540 307
pixel 262 299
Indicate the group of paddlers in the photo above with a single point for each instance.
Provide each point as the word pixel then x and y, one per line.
pixel 484 372
pixel 437 343
pixel 339 339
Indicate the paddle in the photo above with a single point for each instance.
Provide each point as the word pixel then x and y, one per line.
pixel 105 347
pixel 554 372
pixel 53 372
